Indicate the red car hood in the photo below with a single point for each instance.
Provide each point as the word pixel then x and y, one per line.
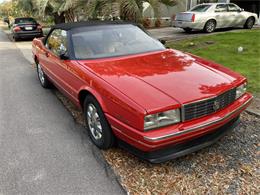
pixel 162 79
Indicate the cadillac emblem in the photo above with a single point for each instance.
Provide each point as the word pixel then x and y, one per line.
pixel 216 105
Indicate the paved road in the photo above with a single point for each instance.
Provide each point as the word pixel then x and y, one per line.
pixel 173 34
pixel 42 150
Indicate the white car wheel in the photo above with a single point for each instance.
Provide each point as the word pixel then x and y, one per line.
pixel 210 26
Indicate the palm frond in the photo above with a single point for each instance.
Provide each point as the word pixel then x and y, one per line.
pixel 132 9
pixel 170 3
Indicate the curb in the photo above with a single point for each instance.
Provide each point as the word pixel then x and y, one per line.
pixel 252 110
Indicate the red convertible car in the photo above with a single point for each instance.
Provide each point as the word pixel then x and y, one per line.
pixel 158 103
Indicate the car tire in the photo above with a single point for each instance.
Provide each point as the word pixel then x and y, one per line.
pixel 44 81
pixel 210 26
pixel 97 125
pixel 249 23
pixel 15 39
pixel 187 30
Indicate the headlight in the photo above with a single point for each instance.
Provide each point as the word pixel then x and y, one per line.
pixel 161 119
pixel 241 90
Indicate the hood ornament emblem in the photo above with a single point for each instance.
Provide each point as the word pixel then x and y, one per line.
pixel 216 105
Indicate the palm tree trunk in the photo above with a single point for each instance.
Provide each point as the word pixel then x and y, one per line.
pixel 59 18
pixel 69 15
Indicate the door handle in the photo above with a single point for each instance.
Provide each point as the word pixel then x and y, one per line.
pixel 47 54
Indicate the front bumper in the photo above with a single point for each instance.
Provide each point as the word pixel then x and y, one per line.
pixel 170 136
pixel 186 24
pixel 182 149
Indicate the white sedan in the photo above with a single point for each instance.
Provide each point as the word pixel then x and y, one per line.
pixel 210 16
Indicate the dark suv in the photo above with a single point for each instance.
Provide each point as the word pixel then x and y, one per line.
pixel 23 28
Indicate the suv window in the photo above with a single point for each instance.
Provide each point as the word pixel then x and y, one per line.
pixel 57 42
pixel 221 8
pixel 233 8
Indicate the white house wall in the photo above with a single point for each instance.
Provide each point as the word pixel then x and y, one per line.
pixel 165 11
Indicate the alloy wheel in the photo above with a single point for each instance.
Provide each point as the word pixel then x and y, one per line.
pixel 210 27
pixel 41 74
pixel 94 123
pixel 250 23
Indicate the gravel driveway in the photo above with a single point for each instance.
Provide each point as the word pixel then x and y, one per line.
pixel 231 166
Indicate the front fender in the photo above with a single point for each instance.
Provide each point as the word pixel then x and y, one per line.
pixel 94 93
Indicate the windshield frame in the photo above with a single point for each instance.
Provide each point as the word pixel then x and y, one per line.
pixel 72 48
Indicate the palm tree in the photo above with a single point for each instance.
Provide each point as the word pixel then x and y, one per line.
pixel 64 10
pixel 61 10
pixel 128 9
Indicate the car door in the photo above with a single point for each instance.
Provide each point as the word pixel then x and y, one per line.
pixel 65 72
pixel 222 15
pixel 57 45
pixel 236 17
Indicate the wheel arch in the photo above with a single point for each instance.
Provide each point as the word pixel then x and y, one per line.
pixel 84 92
pixel 255 20
pixel 214 19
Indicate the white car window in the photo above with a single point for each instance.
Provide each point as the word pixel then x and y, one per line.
pixel 233 8
pixel 221 8
pixel 200 8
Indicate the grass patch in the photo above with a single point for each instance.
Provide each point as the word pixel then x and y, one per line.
pixel 223 49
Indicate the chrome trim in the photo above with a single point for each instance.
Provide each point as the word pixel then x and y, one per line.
pixel 153 139
pixel 202 100
pixel 182 113
pixel 209 98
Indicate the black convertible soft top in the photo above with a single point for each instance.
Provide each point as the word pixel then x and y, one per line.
pixel 69 26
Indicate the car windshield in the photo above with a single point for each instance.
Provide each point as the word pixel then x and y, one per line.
pixel 111 41
pixel 25 21
pixel 200 8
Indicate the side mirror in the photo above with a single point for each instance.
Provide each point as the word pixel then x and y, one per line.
pixel 162 41
pixel 241 10
pixel 64 56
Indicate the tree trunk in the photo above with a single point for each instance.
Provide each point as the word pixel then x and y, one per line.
pixel 69 15
pixel 59 18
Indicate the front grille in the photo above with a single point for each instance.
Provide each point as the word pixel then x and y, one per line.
pixel 209 106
